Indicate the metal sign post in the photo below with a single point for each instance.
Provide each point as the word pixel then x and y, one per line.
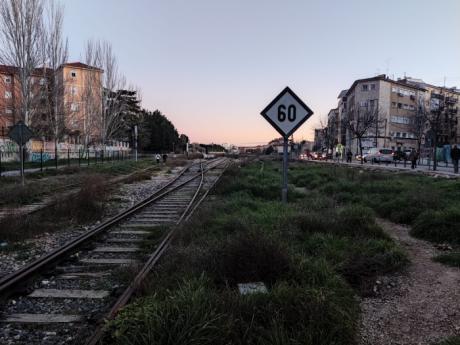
pixel 286 113
pixel 21 134
pixel 284 191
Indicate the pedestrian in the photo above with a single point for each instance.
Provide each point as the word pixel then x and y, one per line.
pixel 413 158
pixel 455 155
pixel 158 157
pixel 349 156
pixel 165 156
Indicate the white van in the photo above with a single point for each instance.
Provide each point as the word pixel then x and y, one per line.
pixel 376 154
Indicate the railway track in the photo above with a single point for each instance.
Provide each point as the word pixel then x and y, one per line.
pixel 64 297
pixel 59 192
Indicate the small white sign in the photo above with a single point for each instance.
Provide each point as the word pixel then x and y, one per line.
pixel 250 288
pixel 287 112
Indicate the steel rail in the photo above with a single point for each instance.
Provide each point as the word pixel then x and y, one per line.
pixel 153 259
pixel 19 276
pixel 205 194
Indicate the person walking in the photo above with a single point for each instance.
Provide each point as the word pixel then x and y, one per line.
pixel 349 156
pixel 455 155
pixel 158 157
pixel 413 158
pixel 165 157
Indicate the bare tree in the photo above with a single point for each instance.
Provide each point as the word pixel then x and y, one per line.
pixel 418 124
pixel 21 30
pixel 55 54
pixel 361 122
pixel 329 132
pixel 114 84
pixel 441 118
pixel 91 93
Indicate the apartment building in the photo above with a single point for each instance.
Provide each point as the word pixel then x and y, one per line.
pixel 79 98
pixel 447 101
pixel 333 124
pixel 395 105
pixel 9 96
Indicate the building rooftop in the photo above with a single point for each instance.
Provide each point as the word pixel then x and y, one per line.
pixel 79 65
pixel 383 77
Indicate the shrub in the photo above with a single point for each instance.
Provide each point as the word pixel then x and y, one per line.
pixel 359 221
pixel 438 226
pixel 304 316
pixel 188 315
pixel 450 259
pixel 455 340
pixel 249 257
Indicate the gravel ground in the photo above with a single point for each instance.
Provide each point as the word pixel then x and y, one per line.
pixel 126 196
pixel 417 307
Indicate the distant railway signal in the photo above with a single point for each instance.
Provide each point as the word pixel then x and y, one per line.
pixel 286 113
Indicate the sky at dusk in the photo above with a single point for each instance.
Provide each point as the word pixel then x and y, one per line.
pixel 211 66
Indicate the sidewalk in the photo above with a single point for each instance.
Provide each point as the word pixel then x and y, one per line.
pixel 441 170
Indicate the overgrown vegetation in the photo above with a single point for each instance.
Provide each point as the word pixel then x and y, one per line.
pixel 430 205
pixel 83 207
pixel 314 255
pixel 455 340
pixel 450 259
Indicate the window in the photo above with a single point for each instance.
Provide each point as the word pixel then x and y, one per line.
pixel 73 74
pixel 372 103
pixel 7 80
pixel 8 111
pixel 74 106
pixel 400 119
pixel 398 134
pixel 365 87
pixel 393 104
pixel 73 90
pixel 372 86
pixel 363 104
pixel 404 135
pixel 399 105
pixel 8 94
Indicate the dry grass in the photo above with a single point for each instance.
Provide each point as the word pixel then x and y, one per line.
pixel 85 206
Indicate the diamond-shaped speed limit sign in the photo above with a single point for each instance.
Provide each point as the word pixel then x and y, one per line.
pixel 287 112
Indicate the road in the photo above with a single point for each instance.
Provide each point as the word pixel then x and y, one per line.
pixel 442 170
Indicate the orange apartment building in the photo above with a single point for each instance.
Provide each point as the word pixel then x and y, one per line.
pixel 79 99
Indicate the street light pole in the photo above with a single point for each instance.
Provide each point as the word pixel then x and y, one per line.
pixel 135 142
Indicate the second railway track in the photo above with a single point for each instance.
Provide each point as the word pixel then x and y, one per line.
pixel 65 304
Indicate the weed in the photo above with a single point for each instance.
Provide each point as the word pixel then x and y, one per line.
pixel 455 340
pixel 438 226
pixel 249 257
pixel 450 259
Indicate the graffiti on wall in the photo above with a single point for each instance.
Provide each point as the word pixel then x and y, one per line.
pixel 8 146
pixel 37 156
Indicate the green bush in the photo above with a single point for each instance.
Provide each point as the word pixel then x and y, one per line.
pixel 188 315
pixel 450 259
pixel 194 314
pixel 438 226
pixel 455 340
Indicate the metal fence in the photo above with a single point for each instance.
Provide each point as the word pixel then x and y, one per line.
pixel 38 161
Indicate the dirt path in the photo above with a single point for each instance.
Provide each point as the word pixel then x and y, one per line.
pixel 417 307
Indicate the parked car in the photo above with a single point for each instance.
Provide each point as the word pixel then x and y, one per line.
pixel 376 154
pixel 358 156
